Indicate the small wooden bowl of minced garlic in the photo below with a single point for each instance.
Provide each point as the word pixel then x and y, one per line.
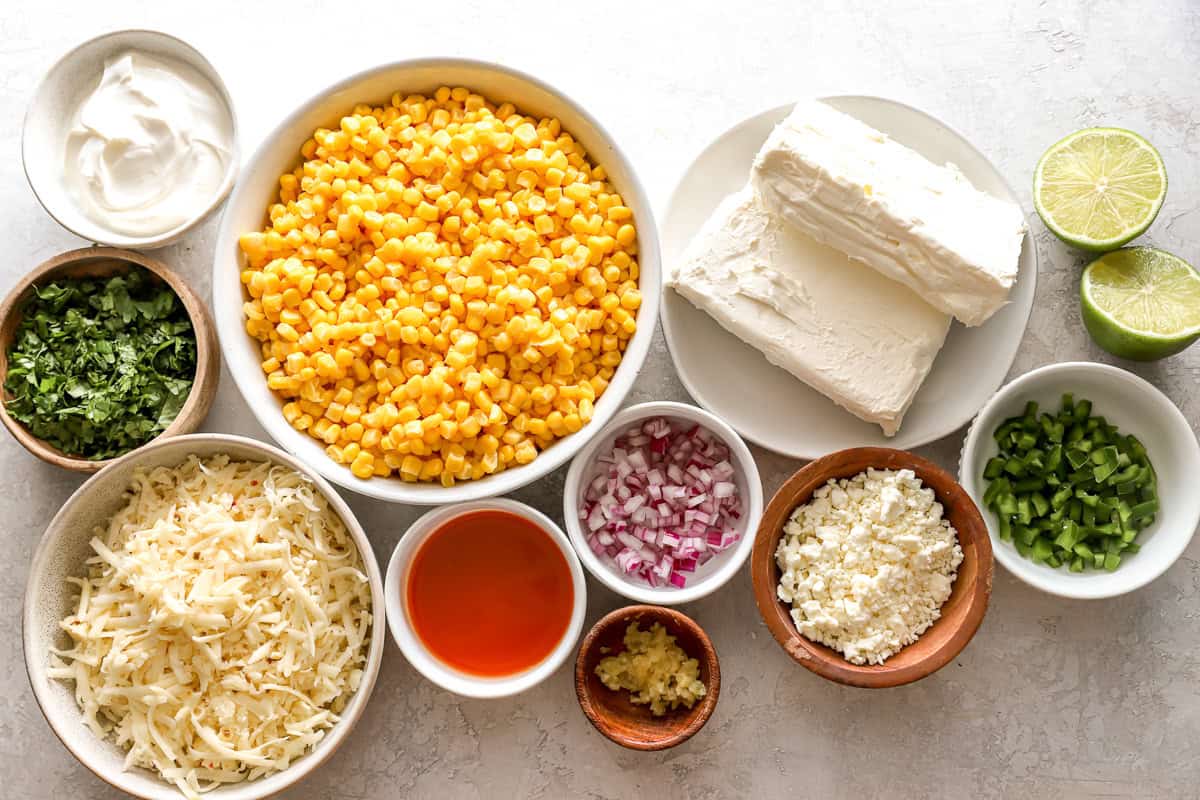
pixel 647 677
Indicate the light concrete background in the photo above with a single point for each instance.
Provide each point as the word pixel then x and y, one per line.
pixel 1052 699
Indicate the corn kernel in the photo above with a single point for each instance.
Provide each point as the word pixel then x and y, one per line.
pixel 525 452
pixel 363 466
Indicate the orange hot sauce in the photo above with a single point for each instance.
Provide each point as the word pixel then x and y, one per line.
pixel 489 593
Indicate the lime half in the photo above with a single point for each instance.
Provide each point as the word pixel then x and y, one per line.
pixel 1141 303
pixel 1099 188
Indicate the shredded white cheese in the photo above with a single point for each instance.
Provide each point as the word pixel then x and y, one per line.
pixel 222 625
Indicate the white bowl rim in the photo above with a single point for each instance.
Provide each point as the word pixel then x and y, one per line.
pixel 415 651
pixel 733 561
pixel 1027 243
pixel 227 181
pixel 323 750
pixel 1075 587
pixel 394 490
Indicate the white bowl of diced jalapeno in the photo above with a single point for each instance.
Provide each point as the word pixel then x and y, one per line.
pixel 1086 475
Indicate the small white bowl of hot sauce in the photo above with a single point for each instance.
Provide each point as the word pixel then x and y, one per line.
pixel 485 599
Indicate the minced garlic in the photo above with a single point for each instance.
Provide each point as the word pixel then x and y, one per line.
pixel 654 669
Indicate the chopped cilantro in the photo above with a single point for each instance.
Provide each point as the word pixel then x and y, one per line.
pixel 99 366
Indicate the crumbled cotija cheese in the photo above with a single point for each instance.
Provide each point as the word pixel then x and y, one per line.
pixel 867 564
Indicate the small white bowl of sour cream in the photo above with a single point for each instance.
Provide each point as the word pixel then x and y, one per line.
pixel 130 140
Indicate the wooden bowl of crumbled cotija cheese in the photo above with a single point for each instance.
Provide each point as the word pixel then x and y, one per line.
pixel 647 677
pixel 872 567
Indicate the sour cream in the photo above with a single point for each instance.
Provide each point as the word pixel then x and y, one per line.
pixel 149 147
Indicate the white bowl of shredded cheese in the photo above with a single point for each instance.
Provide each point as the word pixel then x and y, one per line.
pixel 251 620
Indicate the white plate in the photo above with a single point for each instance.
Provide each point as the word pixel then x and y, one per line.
pixel 766 404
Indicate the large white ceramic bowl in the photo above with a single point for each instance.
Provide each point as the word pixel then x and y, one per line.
pixel 47 124
pixel 708 577
pixel 414 649
pixel 1134 406
pixel 258 186
pixel 49 598
pixel 787 415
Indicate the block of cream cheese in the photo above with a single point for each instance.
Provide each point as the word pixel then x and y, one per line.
pixel 863 340
pixel 851 187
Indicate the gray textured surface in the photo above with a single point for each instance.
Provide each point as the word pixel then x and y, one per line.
pixel 1052 699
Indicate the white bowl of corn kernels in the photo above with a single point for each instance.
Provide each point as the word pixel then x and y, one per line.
pixel 435 295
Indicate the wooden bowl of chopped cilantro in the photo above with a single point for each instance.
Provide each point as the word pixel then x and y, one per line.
pixel 102 351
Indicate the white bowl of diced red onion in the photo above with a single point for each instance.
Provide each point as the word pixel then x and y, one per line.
pixel 662 504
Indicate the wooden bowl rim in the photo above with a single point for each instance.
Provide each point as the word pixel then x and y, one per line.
pixel 825 661
pixel 204 383
pixel 707 657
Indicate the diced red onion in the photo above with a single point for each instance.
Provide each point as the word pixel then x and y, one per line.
pixel 628 560
pixel 663 501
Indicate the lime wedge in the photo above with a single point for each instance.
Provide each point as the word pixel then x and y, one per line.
pixel 1141 303
pixel 1099 188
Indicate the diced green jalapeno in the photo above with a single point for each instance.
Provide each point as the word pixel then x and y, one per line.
pixel 1042 549
pixel 994 468
pixel 1041 506
pixel 1054 458
pixel 1145 509
pixel 1027 485
pixel 1024 509
pixel 1068 488
pixel 1015 467
pixel 1076 457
